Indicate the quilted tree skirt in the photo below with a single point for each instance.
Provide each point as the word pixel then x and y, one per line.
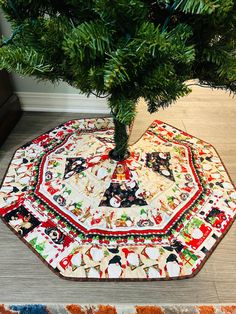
pixel 157 215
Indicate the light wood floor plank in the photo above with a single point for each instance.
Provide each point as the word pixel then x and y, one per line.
pixel 226 291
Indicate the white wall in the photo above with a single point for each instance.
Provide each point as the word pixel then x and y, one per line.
pixel 29 84
pixel 45 96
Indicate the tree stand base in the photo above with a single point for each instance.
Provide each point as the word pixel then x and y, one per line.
pixel 157 214
pixel 113 155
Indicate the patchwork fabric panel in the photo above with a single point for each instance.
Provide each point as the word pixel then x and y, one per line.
pixel 156 215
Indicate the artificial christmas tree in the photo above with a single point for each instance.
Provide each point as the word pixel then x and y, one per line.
pixel 123 49
pixel 88 205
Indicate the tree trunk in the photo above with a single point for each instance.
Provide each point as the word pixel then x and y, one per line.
pixel 121 136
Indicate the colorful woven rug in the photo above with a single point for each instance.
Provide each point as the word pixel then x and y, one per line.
pixel 115 309
pixel 157 215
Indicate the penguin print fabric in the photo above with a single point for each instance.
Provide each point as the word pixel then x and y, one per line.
pixel 155 216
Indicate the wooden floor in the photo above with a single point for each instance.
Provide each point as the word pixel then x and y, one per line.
pixel 24 278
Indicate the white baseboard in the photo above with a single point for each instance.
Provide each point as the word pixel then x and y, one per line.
pixel 58 102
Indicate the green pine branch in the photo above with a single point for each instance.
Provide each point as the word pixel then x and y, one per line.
pixel 203 6
pixel 123 109
pixel 88 40
pixel 24 60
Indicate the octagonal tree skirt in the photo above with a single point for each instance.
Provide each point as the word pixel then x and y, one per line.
pixel 156 215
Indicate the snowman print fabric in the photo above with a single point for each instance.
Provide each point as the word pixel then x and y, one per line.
pixel 155 216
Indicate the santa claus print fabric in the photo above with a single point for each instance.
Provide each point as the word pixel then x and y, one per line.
pixel 156 215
